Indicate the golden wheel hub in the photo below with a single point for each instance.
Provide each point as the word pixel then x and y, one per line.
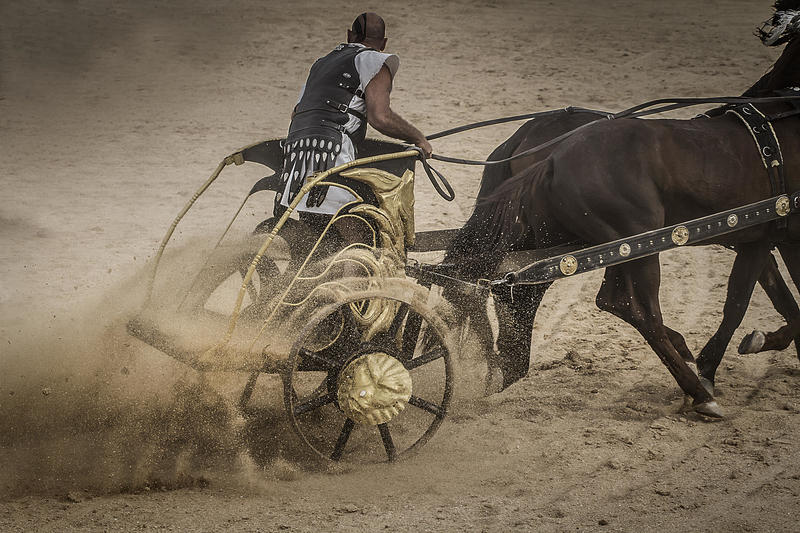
pixel 374 388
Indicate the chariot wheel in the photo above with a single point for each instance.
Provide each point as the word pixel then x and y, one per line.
pixel 357 392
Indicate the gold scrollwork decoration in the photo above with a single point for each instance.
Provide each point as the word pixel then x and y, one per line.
pixel 680 235
pixel 568 265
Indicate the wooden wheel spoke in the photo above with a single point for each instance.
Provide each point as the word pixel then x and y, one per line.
pixel 425 405
pixel 248 390
pixel 325 362
pixel 316 403
pixel 398 321
pixel 334 356
pixel 350 333
pixel 388 443
pixel 411 334
pixel 341 442
pixel 426 358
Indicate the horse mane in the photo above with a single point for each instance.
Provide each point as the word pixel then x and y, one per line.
pixel 785 72
pixel 786 5
pixel 783 25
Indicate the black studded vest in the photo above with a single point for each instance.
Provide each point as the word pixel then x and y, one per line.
pixel 323 109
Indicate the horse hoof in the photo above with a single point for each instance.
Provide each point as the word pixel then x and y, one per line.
pixel 709 409
pixel 752 343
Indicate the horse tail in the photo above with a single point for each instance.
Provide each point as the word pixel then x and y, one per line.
pixel 493 177
pixel 509 227
pixel 499 223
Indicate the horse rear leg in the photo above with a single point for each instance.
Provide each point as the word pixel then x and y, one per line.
pixel 516 309
pixel 783 301
pixel 777 291
pixel 747 267
pixel 758 341
pixel 630 292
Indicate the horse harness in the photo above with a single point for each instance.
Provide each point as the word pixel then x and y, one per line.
pixel 760 127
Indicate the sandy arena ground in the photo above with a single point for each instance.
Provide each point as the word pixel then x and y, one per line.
pixel 113 113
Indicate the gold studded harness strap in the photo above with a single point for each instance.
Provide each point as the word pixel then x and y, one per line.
pixel 652 242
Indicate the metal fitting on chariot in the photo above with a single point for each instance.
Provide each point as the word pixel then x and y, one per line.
pixel 510 279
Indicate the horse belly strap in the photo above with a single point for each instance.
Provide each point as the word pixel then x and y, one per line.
pixel 769 149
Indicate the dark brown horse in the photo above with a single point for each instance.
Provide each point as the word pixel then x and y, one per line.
pixel 656 173
pixel 517 314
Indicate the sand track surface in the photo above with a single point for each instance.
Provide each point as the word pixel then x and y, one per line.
pixel 112 114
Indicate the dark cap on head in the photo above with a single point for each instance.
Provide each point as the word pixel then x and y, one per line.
pixel 785 5
pixel 368 26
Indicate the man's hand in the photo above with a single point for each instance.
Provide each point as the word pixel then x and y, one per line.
pixel 426 148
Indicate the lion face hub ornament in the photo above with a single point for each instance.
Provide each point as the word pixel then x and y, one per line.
pixel 374 388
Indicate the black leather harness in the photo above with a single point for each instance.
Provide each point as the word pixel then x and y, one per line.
pixel 320 117
pixel 769 148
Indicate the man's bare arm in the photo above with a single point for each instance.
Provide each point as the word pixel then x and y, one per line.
pixel 381 117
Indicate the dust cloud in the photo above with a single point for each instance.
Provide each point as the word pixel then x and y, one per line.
pixel 85 405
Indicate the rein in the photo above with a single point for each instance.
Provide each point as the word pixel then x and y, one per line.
pixel 641 110
pixel 528 116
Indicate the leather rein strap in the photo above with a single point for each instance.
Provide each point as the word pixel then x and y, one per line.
pixel 641 110
pixel 444 189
